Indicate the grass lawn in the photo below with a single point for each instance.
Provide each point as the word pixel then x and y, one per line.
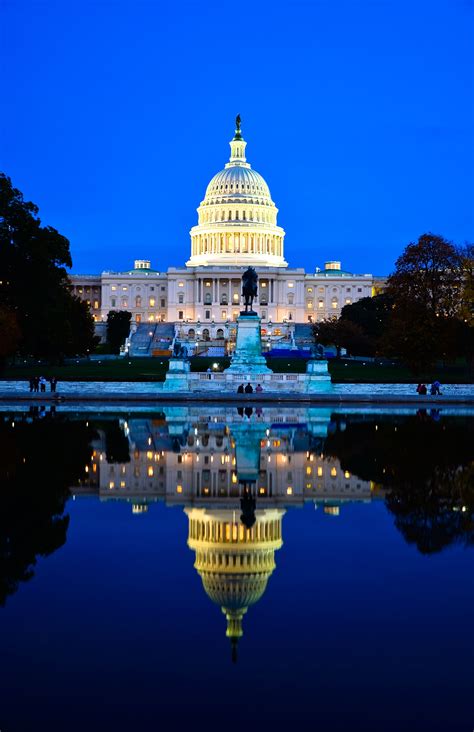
pixel 154 369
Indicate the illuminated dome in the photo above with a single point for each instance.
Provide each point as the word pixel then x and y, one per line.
pixel 234 563
pixel 237 220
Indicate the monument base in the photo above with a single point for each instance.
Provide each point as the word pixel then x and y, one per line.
pixel 177 378
pixel 247 358
pixel 317 377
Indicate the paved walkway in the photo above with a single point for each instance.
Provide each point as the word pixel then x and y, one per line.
pixel 159 397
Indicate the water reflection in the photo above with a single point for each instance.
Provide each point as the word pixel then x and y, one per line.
pixel 235 473
pixel 41 456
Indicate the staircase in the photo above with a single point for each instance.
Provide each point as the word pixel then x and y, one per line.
pixel 141 339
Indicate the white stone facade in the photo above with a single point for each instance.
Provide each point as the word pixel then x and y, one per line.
pixel 237 227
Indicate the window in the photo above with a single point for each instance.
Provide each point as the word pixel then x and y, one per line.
pixel 224 299
pixel 205 334
pixel 359 289
pixel 152 302
pixel 309 304
pixel 124 303
pixel 334 304
pixel 138 301
pixel 207 283
pixel 124 288
pixel 321 289
pixel 180 284
pixel 191 333
pixel 224 315
pixel 163 302
pixel 220 333
pixel 291 284
pixel 113 288
pixel 348 300
pixel 138 318
pixel 348 289
pixel 310 318
pixel 152 289
pixel 180 315
pixel 207 298
pixel 113 302
pixel 263 284
pixel 264 314
pixel 291 299
pixel 309 289
pixel 163 289
pixel 235 297
pixel 290 316
pixel 180 298
pixel 96 304
pixel 321 304
pixel 207 314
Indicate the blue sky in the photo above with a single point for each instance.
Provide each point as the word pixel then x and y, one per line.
pixel 359 115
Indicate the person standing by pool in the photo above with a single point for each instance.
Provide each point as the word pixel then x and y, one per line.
pixel 259 388
pixel 240 390
pixel 249 388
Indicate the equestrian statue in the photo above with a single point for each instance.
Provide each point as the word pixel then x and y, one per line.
pixel 249 290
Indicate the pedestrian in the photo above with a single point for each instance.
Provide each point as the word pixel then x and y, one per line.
pixel 36 382
pixel 249 388
pixel 259 388
pixel 53 381
pixel 423 389
pixel 437 387
pixel 42 383
pixel 32 384
pixel 240 390
pixel 418 389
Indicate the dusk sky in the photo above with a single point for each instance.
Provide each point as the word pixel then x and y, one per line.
pixel 359 115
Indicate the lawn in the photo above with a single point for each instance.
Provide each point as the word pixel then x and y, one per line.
pixel 154 369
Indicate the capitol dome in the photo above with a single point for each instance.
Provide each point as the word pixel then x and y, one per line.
pixel 237 220
pixel 234 563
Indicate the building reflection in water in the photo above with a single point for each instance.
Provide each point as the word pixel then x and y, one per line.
pixel 235 473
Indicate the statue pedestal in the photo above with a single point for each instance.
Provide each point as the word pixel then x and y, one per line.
pixel 318 379
pixel 177 378
pixel 247 358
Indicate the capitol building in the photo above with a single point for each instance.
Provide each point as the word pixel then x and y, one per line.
pixel 200 302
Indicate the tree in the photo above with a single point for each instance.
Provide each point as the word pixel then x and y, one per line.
pixel 11 335
pixel 34 283
pixel 118 328
pixel 428 274
pixel 342 334
pixel 427 294
pixel 371 314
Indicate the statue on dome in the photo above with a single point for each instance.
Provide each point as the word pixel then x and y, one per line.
pixel 249 290
pixel 237 123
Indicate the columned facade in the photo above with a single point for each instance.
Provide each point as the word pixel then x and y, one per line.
pixel 237 227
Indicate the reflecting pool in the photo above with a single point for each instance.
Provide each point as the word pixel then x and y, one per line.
pixel 236 568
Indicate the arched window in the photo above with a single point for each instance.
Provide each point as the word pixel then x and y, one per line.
pixel 291 298
pixel 191 333
pixel 224 299
pixel 207 298
pixel 220 333
pixel 138 301
pixel 205 334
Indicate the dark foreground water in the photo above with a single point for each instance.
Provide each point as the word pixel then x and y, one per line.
pixel 227 569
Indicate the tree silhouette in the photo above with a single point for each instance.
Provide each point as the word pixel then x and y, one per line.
pixel 426 464
pixel 39 461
